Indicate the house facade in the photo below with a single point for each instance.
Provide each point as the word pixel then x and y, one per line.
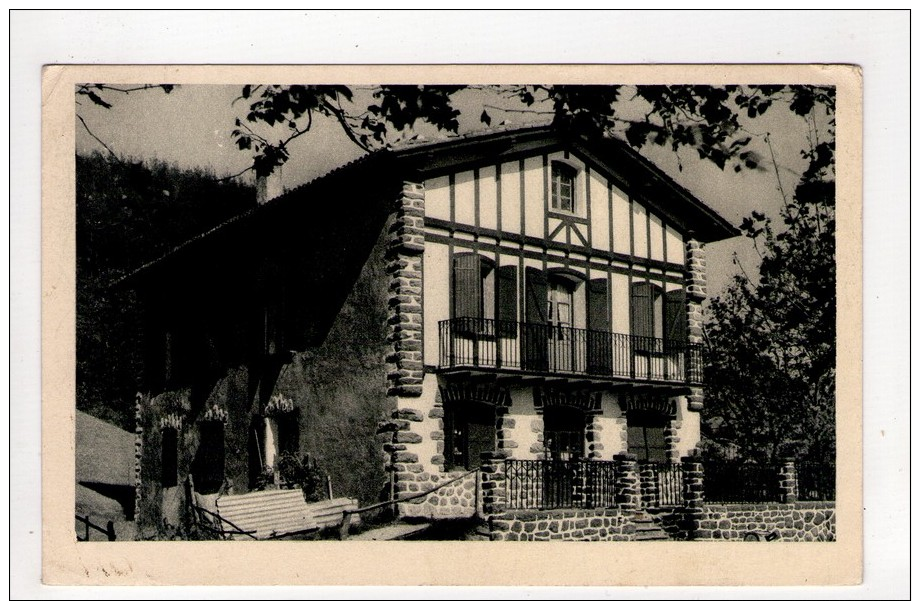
pixel 546 301
pixel 525 296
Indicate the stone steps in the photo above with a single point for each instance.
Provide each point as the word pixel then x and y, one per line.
pixel 648 528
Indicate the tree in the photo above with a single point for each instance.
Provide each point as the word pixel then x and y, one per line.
pixel 771 340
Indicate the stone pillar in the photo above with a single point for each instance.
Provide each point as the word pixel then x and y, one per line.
pixel 696 294
pixel 626 485
pixel 593 434
pixel 648 485
pixel 504 430
pixel 537 449
pixel 671 439
pixel 788 482
pixel 492 487
pixel 404 264
pixel 139 401
pixel 692 469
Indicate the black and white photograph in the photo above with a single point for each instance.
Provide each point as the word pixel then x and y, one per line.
pixel 518 312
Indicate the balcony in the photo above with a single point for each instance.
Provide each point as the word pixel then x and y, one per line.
pixel 489 344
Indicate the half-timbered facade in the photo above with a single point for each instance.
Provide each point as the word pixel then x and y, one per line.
pixel 559 284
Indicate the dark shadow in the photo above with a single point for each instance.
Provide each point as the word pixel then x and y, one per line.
pixel 121 493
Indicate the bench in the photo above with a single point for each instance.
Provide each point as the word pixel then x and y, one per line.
pixel 268 514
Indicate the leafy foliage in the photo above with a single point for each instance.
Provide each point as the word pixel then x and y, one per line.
pixel 771 341
pixel 129 212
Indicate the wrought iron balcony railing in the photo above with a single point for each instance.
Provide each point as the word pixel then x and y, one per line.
pixel 539 348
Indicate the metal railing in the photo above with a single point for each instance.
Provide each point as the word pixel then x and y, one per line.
pixel 541 348
pixel 668 482
pixel 108 531
pixel 733 482
pixel 815 481
pixel 552 484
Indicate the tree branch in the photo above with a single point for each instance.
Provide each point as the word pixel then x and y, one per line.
pixel 95 137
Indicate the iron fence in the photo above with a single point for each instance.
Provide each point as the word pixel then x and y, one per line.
pixel 668 482
pixel 815 481
pixel 552 484
pixel 735 482
pixel 476 342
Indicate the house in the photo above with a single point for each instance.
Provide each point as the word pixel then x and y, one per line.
pixel 523 296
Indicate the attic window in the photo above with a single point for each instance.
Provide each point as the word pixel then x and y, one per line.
pixel 563 187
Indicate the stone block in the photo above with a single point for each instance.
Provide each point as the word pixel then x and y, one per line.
pixel 407 437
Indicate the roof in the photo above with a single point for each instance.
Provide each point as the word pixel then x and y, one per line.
pixel 421 157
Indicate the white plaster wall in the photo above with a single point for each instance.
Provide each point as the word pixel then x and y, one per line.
pixel 533 196
pixel 523 413
pixel 511 197
pixel 488 198
pixel 640 233
pixel 619 297
pixel 656 238
pixel 620 221
pixel 675 246
pixel 689 430
pixel 612 421
pixel 464 198
pixel 437 198
pixel 435 296
pixel 600 212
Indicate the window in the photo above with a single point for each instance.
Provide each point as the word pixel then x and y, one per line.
pixel 470 430
pixel 645 436
pixel 484 296
pixel 563 187
pixel 564 433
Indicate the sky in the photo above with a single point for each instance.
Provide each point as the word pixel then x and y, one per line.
pixel 191 127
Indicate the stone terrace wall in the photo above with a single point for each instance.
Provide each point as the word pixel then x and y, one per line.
pixel 803 521
pixel 455 500
pixel 564 524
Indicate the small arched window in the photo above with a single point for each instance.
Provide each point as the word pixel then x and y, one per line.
pixel 563 187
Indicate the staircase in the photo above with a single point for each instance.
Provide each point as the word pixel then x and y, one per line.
pixel 648 528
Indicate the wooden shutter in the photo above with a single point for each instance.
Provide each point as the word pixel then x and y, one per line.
pixel 507 301
pixel 536 296
pixel 640 311
pixel 675 318
pixel 600 343
pixel 598 306
pixel 467 286
pixel 535 354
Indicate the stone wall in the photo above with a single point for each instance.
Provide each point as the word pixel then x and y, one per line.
pixel 696 294
pixel 564 524
pixel 803 521
pixel 454 500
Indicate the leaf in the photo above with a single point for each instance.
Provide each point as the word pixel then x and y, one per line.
pixel 485 118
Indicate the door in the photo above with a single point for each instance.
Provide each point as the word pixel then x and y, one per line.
pixel 559 312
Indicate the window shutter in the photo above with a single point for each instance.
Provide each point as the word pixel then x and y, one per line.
pixel 600 343
pixel 640 310
pixel 467 286
pixel 507 301
pixel 598 318
pixel 536 296
pixel 534 351
pixel 675 321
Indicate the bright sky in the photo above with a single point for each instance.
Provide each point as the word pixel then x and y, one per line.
pixel 191 127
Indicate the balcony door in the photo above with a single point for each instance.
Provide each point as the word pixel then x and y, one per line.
pixel 559 313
